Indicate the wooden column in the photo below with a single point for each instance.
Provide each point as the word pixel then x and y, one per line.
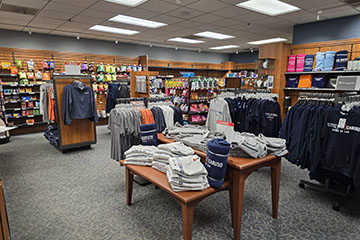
pixel 279 52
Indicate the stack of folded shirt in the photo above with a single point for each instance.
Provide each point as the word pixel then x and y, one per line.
pixel 161 160
pixel 248 144
pixel 166 151
pixel 187 174
pixel 275 146
pixel 140 155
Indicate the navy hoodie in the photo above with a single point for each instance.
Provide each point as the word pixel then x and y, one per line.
pixel 78 102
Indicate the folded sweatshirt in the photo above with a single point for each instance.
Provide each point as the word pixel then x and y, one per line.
pixel 141 149
pixel 187 166
pixel 177 148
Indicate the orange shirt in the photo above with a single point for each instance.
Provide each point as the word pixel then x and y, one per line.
pixel 146 116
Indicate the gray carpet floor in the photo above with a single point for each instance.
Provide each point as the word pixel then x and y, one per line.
pixel 81 195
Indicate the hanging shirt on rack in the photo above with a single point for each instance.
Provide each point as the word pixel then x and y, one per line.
pixel 78 103
pixel 146 116
pixel 218 110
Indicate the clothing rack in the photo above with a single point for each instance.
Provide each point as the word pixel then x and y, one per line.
pixel 346 194
pixel 81 132
pixel 144 99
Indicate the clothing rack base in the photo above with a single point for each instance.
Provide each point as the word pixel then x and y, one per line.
pixel 326 187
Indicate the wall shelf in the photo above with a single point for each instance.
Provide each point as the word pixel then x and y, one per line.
pixel 324 72
pixel 318 90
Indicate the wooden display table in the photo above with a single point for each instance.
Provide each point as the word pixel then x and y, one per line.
pixel 187 200
pixel 238 170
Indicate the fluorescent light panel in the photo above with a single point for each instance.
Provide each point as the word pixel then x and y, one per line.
pixel 268 7
pixel 266 41
pixel 130 3
pixel 214 35
pixel 137 21
pixel 185 40
pixel 113 30
pixel 224 47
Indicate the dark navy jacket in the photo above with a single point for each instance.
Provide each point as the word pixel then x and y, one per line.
pixel 78 103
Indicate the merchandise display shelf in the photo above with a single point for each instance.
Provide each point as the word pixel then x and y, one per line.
pixel 8 75
pixel 17 101
pixel 190 69
pixel 22 85
pixel 28 116
pixel 318 90
pixel 323 72
pixel 194 113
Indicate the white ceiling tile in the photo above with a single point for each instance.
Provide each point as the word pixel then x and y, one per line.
pixel 56 15
pixel 158 6
pixel 209 27
pixel 173 28
pixel 310 4
pixel 95 14
pixel 27 3
pixel 339 12
pixel 16 16
pixel 62 7
pixel 183 2
pixel 124 26
pixel 74 26
pixel 41 22
pixel 187 24
pixel 13 21
pixel 184 13
pixel 11 26
pixel 80 3
pixel 207 6
pixel 250 16
pixel 230 12
pixel 166 19
pixel 207 18
pixel 227 22
pixel 64 33
pixel 87 19
pixel 109 7
pixel 299 17
pixel 140 13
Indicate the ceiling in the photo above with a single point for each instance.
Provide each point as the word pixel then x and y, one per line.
pixel 74 17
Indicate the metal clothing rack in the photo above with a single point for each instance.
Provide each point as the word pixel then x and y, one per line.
pixel 328 186
pixel 144 99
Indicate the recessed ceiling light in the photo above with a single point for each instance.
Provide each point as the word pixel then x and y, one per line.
pixel 224 47
pixel 185 40
pixel 113 30
pixel 131 3
pixel 265 41
pixel 213 35
pixel 268 7
pixel 137 21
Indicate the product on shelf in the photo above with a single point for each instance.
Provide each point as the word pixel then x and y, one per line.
pixel 100 68
pixel 14 70
pixel 30 75
pixel 22 75
pixel 5 65
pixel 38 75
pixel 31 65
pixel 91 67
pixel 84 67
pixel 45 65
pixel 18 63
pixel 51 65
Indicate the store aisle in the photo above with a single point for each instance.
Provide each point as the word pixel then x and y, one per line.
pixel 81 195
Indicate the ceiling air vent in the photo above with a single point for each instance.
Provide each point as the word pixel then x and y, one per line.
pixel 353 3
pixel 18 9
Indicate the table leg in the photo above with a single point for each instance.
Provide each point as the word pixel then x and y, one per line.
pixel 187 220
pixel 275 186
pixel 129 185
pixel 238 197
pixel 231 207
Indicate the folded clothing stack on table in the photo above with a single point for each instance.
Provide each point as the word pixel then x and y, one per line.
pixel 167 151
pixel 245 145
pixel 187 174
pixel 140 155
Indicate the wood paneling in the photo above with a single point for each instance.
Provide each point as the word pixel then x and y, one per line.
pixel 245 66
pixel 133 75
pixel 356 50
pixel 80 130
pixel 305 51
pixel 144 61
